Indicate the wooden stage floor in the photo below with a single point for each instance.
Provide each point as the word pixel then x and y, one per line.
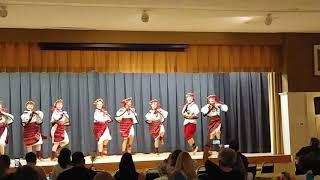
pixel 145 161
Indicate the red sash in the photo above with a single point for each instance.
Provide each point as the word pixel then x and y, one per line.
pixel 99 128
pixel 154 128
pixel 125 126
pixel 214 123
pixel 2 128
pixel 31 134
pixel 59 133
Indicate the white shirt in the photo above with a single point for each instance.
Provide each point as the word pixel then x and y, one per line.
pixel 214 112
pixel 160 115
pixel 100 116
pixel 25 117
pixel 56 115
pixel 124 113
pixel 6 118
pixel 190 110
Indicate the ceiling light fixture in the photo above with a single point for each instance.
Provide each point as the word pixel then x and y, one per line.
pixel 268 19
pixel 3 11
pixel 144 16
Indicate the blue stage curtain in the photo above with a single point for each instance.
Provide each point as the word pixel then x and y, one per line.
pixel 246 94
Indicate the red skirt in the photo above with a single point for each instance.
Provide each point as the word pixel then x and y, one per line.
pixel 213 124
pixel 99 128
pixel 189 130
pixel 125 126
pixel 154 128
pixel 1 132
pixel 31 134
pixel 59 133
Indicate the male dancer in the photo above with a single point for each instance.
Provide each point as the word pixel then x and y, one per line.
pixel 5 120
pixel 31 121
pixel 126 116
pixel 190 113
pixel 212 111
pixel 101 122
pixel 59 120
pixel 155 118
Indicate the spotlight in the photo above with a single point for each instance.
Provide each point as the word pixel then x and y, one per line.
pixel 3 11
pixel 268 19
pixel 144 16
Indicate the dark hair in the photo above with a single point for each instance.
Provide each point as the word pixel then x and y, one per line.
pixel 174 157
pixel 31 157
pixel 234 144
pixel 127 170
pixel 26 172
pixel 227 157
pixel 314 142
pixel 4 161
pixel 78 158
pixel 64 158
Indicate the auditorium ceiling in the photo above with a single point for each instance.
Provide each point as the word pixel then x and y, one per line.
pixel 165 15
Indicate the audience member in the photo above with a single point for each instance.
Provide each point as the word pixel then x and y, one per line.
pixel 4 167
pixel 167 166
pixel 242 162
pixel 177 175
pixel 308 158
pixel 224 170
pixel 31 159
pixel 27 172
pixel 64 163
pixel 103 176
pixel 186 165
pixel 127 169
pixel 79 171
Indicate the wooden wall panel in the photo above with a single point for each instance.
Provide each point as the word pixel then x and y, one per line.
pixel 24 57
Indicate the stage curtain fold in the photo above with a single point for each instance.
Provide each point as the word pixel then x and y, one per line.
pixel 27 57
pixel 275 87
pixel 246 94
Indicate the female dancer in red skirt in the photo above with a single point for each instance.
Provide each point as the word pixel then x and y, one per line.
pixel 190 113
pixel 31 121
pixel 155 118
pixel 59 120
pixel 126 116
pixel 5 120
pixel 212 111
pixel 101 122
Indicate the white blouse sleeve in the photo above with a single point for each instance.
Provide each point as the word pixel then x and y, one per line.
pixel 205 109
pixel 9 118
pixel 164 113
pixel 25 117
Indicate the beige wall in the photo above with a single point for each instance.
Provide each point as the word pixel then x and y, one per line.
pixel 299 120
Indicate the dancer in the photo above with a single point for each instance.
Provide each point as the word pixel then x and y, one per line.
pixel 155 118
pixel 101 122
pixel 59 120
pixel 190 113
pixel 31 121
pixel 212 111
pixel 126 116
pixel 5 120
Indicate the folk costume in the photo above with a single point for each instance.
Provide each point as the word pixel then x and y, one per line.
pixel 212 110
pixel 127 117
pixel 101 126
pixel 155 118
pixel 59 119
pixel 190 113
pixel 5 120
pixel 31 121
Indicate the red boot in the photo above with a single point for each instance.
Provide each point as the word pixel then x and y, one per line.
pixel 53 155
pixel 39 155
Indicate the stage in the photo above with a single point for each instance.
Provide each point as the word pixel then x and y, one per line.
pixel 145 161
